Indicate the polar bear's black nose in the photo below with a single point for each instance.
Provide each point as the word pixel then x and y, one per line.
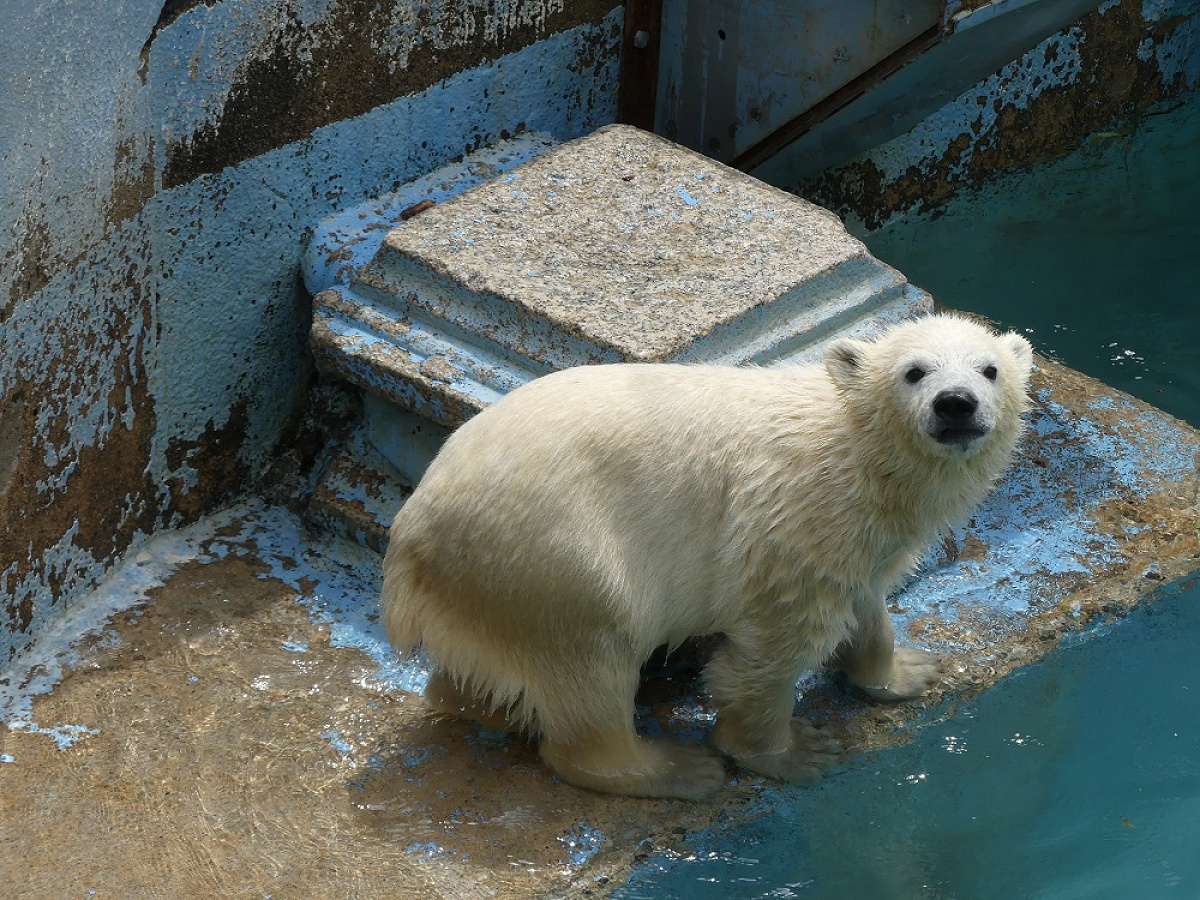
pixel 955 405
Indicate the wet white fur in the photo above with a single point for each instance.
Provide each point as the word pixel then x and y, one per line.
pixel 599 512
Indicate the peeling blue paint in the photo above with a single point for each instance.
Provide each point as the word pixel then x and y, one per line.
pixel 337 742
pixel 1127 458
pixel 582 843
pixel 64 736
pixel 338 583
pixel 41 667
pixel 427 850
pixel 1054 62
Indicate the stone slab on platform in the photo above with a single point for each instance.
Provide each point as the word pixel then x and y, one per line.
pixel 358 495
pixel 438 300
pixel 624 246
pixel 617 246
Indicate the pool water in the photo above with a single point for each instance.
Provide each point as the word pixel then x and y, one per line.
pixel 1078 777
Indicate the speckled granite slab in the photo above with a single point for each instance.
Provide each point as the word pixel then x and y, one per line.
pixel 616 246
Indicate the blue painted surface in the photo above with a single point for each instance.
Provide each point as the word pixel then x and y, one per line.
pixel 64 736
pixel 993 57
pixel 337 742
pixel 582 843
pixel 274 197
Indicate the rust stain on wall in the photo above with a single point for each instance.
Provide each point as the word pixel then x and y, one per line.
pixel 1113 82
pixel 100 493
pixel 134 183
pixel 31 263
pixel 16 424
pixel 36 257
pixel 213 464
pixel 337 69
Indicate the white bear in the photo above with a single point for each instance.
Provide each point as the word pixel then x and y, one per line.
pixel 598 513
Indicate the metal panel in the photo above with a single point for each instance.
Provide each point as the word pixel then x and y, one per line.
pixel 733 71
pixel 974 44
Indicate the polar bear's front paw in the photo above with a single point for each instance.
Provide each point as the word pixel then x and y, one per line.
pixel 810 753
pixel 914 673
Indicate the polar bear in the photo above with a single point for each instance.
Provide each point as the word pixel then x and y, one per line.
pixel 598 513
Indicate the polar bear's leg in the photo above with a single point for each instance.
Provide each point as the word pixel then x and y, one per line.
pixel 754 718
pixel 588 738
pixel 873 662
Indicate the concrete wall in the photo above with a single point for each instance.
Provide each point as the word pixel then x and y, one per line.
pixel 1111 65
pixel 162 164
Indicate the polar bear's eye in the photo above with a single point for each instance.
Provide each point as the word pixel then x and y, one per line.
pixel 915 374
pixel 990 373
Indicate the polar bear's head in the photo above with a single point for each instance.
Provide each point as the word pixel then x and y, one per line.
pixel 943 384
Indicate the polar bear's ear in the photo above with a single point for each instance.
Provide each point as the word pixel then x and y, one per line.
pixel 1020 348
pixel 844 360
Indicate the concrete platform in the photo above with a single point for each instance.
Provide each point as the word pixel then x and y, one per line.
pixel 225 719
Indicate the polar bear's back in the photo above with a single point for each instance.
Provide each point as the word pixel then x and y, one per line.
pixel 594 492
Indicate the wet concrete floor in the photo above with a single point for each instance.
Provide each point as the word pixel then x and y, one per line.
pixel 212 740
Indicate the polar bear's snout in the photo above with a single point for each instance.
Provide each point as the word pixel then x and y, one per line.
pixel 955 419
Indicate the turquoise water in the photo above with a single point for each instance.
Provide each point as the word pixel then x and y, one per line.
pixel 1075 778
pixel 1078 777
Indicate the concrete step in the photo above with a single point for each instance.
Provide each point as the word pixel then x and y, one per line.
pixel 620 246
pixel 358 495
